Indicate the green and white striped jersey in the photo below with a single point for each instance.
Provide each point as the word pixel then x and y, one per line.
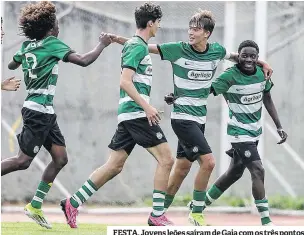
pixel 39 61
pixel 192 75
pixel 135 56
pixel 244 96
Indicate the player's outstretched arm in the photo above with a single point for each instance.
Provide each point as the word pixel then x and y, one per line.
pixel 88 58
pixel 271 109
pixel 126 83
pixel 10 84
pixel 234 57
pixel 122 40
pixel 118 39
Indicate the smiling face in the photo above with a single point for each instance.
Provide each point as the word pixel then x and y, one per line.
pixel 197 35
pixel 248 58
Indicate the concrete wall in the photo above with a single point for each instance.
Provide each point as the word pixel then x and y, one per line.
pixel 86 102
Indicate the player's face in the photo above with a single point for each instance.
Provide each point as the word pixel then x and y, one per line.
pixel 55 30
pixel 154 27
pixel 248 58
pixel 197 35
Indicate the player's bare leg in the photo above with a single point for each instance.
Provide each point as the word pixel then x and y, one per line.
pixel 33 209
pixel 163 155
pixel 257 172
pixel 179 172
pixel 97 179
pixel 234 173
pixel 19 162
pixel 207 164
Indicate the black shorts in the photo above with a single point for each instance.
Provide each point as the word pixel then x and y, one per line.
pixel 247 151
pixel 136 131
pixel 38 129
pixel 191 139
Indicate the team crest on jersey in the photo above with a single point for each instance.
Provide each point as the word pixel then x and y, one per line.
pixel 36 149
pixel 247 153
pixel 159 135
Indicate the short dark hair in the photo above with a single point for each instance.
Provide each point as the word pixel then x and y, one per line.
pixel 146 12
pixel 203 19
pixel 37 19
pixel 248 43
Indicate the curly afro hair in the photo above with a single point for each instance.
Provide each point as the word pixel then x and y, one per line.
pixel 37 19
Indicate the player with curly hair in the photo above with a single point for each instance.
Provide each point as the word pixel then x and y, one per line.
pixel 137 122
pixel 39 57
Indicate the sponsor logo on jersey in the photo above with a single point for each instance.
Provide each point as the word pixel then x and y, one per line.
pixel 251 99
pixel 200 75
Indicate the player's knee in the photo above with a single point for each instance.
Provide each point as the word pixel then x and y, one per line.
pixel 165 159
pixel 62 161
pixel 115 168
pixel 23 164
pixel 167 162
pixel 236 172
pixel 182 171
pixel 208 163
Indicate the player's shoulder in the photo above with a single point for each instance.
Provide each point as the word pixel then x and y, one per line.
pixel 135 44
pixel 230 70
pixel 215 46
pixel 51 40
pixel 230 73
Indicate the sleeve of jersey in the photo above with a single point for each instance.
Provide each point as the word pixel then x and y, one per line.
pixel 18 57
pixel 60 50
pixel 268 86
pixel 224 54
pixel 169 51
pixel 221 84
pixel 132 56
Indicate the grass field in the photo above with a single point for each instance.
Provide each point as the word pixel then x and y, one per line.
pixel 58 229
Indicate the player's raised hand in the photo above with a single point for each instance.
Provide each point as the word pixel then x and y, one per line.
pixel 113 37
pixel 105 39
pixel 10 84
pixel 152 115
pixel 267 71
pixel 283 136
